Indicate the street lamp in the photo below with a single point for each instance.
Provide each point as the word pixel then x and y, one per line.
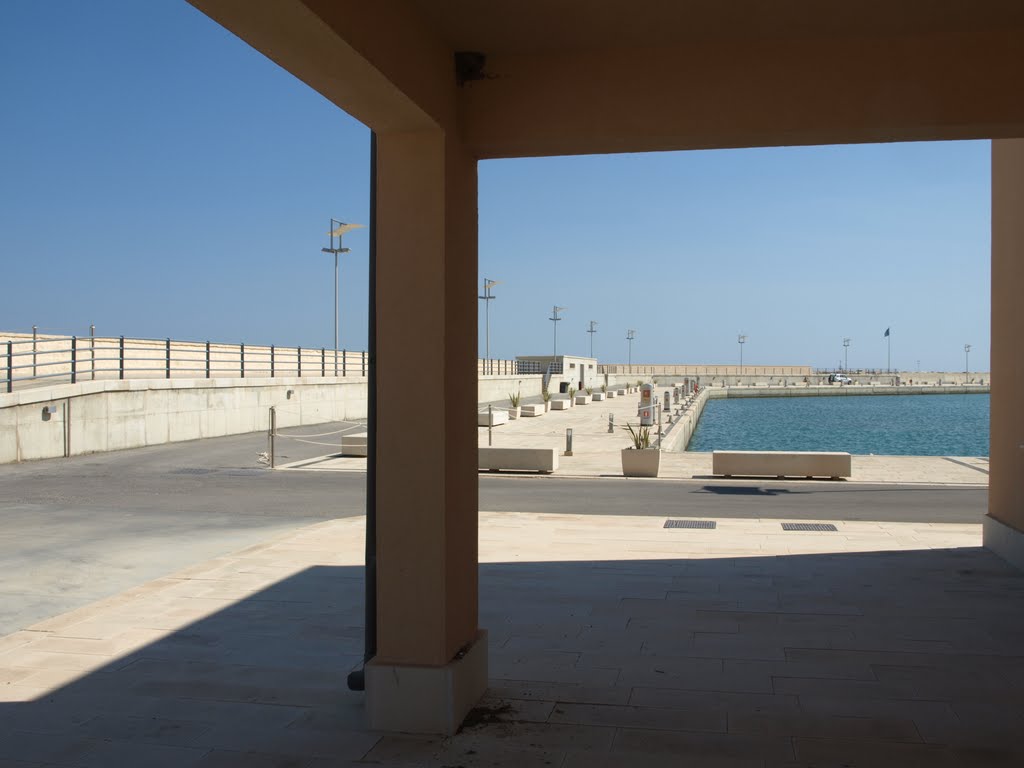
pixel 846 354
pixel 630 335
pixel 967 359
pixel 338 228
pixel 592 330
pixel 488 284
pixel 554 324
pixel 742 339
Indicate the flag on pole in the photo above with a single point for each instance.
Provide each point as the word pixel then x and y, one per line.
pixel 887 332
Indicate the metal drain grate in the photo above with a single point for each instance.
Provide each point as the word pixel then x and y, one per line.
pixel 706 524
pixel 809 527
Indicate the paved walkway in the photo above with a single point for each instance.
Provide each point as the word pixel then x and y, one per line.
pixel 614 642
pixel 596 452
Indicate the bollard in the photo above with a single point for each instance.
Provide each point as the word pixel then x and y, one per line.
pixel 611 423
pixel 273 429
pixel 568 442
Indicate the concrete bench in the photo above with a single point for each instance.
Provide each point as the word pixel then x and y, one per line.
pixel 611 393
pixel 533 409
pixel 781 464
pixel 353 445
pixel 582 399
pixel 543 460
pixel 620 392
pixel 559 405
pixel 498 416
pixel 598 396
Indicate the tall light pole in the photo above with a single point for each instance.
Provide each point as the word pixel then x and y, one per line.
pixel 338 228
pixel 554 324
pixel 592 330
pixel 846 354
pixel 742 339
pixel 967 361
pixel 630 335
pixel 488 284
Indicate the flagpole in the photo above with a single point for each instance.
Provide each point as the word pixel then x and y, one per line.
pixel 888 355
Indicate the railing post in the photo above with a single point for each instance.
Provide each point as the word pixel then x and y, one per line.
pixel 323 362
pixel 271 361
pixel 120 358
pixel 34 335
pixel 167 364
pixel 10 366
pixel 241 358
pixel 92 352
pixel 298 360
pixel 344 361
pixel 207 359
pixel 74 359
pixel 364 363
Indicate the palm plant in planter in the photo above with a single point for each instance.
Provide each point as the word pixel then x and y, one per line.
pixel 546 397
pixel 572 396
pixel 640 460
pixel 513 400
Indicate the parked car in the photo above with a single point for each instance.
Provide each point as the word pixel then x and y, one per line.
pixel 839 378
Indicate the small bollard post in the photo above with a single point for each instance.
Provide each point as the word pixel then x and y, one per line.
pixel 490 424
pixel 611 423
pixel 273 430
pixel 568 441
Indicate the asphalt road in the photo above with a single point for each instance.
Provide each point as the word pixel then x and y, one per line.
pixel 75 530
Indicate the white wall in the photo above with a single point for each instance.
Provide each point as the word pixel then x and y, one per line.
pixel 114 415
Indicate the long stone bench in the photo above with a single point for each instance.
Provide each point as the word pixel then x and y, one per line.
pixel 781 463
pixel 353 445
pixel 560 405
pixel 533 409
pixel 543 460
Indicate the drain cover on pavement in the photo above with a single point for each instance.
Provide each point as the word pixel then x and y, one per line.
pixel 690 524
pixel 808 527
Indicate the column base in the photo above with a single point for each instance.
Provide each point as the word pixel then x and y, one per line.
pixel 1005 541
pixel 435 700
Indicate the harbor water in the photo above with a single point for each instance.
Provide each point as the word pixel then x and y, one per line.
pixel 895 425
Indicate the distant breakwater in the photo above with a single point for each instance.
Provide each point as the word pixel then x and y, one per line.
pixel 844 390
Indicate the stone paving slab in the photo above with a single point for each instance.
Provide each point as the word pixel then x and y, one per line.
pixel 614 642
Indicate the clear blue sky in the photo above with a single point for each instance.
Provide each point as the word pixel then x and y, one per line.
pixel 159 178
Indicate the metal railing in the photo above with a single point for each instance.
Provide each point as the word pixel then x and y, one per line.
pixel 72 359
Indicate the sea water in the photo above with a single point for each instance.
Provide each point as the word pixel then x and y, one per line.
pixel 896 425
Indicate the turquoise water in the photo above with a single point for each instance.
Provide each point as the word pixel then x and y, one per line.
pixel 895 425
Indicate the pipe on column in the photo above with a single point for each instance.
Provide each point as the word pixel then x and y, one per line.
pixel 357 678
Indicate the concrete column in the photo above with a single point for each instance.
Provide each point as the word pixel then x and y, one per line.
pixel 431 664
pixel 1004 526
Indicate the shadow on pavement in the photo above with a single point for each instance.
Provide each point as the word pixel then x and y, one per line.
pixel 903 658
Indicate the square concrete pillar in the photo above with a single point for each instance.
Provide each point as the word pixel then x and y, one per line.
pixel 1004 526
pixel 431 663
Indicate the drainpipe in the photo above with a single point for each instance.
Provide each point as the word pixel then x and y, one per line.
pixel 357 678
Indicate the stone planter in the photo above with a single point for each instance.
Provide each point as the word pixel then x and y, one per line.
pixel 513 413
pixel 642 462
pixel 547 406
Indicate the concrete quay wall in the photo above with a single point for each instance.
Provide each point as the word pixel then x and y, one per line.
pixel 97 416
pixel 679 434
